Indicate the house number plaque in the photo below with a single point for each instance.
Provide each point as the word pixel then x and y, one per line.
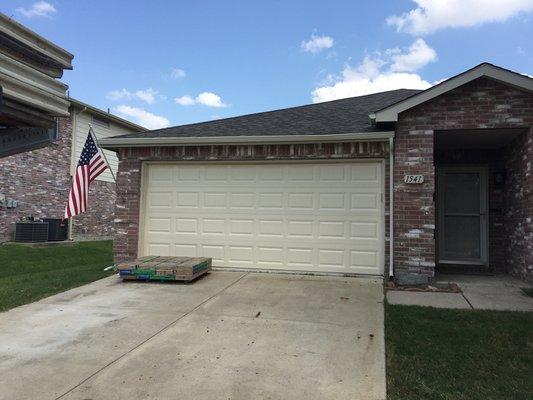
pixel 413 178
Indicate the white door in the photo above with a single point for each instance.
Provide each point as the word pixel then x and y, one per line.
pixel 323 217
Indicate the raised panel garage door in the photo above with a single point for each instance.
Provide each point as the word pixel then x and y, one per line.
pixel 322 217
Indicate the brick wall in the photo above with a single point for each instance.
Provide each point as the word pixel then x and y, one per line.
pixel 518 201
pixel 482 103
pixel 414 211
pixel 130 163
pixel 40 180
pixel 97 221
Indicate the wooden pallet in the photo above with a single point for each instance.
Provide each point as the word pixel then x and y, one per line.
pixel 159 268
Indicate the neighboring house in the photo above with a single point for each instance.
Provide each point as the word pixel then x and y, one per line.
pixel 308 188
pixel 39 180
pixel 31 96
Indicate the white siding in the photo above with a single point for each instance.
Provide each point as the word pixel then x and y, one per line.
pixel 81 129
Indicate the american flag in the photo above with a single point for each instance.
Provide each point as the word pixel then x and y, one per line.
pixel 91 165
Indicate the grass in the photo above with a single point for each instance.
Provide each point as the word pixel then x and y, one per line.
pixel 28 274
pixel 458 354
pixel 528 291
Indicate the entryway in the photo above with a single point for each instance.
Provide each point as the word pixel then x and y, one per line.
pixel 462 206
pixel 479 198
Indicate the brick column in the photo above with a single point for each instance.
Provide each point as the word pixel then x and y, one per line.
pixel 518 214
pixel 414 208
pixel 127 208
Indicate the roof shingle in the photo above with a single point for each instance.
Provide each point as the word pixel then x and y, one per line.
pixel 333 117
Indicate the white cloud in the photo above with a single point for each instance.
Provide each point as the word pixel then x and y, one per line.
pixel 148 95
pixel 432 15
pixel 121 94
pixel 205 98
pixel 419 54
pixel 394 69
pixel 142 117
pixel 177 73
pixel 38 9
pixel 184 100
pixel 317 43
pixel 210 99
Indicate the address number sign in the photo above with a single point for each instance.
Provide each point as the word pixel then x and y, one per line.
pixel 413 178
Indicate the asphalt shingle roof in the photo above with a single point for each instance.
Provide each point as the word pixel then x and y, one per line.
pixel 333 117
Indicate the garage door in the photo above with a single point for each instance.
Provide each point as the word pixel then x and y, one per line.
pixel 322 217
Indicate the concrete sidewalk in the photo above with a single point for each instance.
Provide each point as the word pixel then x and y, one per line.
pixel 229 335
pixel 500 292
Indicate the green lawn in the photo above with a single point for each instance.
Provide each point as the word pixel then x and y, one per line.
pixel 458 354
pixel 28 274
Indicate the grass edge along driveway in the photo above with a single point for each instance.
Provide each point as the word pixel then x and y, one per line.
pixel 28 274
pixel 458 354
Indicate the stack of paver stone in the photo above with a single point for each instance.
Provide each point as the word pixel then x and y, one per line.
pixel 158 268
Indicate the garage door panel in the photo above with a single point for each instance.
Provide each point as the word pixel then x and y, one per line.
pixel 271 200
pixel 214 226
pixel 185 250
pixel 365 173
pixel 159 249
pixel 331 229
pixel 216 252
pixel 186 226
pixel 364 201
pixel 216 200
pixel 267 256
pixel 307 217
pixel 364 230
pixel 332 201
pixel 271 228
pixel 159 225
pixel 160 200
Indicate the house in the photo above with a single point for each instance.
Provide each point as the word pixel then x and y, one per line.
pixel 38 181
pixel 397 184
pixel 31 95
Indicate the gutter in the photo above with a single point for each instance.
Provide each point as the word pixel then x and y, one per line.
pixel 116 142
pixel 112 117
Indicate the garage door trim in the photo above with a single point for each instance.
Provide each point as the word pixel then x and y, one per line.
pixel 381 208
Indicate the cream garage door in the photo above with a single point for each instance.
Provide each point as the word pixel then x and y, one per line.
pixel 323 217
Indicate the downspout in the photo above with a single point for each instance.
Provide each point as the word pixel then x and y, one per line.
pixel 391 207
pixel 74 139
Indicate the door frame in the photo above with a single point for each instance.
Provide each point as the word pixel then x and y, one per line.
pixel 483 208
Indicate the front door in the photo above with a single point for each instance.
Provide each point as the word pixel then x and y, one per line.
pixel 462 215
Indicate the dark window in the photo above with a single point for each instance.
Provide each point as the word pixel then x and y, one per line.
pixel 53 131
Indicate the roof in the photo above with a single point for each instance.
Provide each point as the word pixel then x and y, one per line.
pixel 107 115
pixel 39 45
pixel 345 116
pixel 390 113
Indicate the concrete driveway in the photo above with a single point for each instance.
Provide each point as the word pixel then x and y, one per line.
pixel 230 335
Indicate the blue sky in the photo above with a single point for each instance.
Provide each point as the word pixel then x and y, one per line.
pixel 161 63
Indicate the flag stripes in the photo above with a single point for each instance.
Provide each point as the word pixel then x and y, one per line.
pixel 90 166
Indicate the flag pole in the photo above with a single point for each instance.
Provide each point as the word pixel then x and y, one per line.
pixel 105 158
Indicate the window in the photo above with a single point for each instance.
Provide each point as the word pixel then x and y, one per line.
pixel 100 121
pixel 53 131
